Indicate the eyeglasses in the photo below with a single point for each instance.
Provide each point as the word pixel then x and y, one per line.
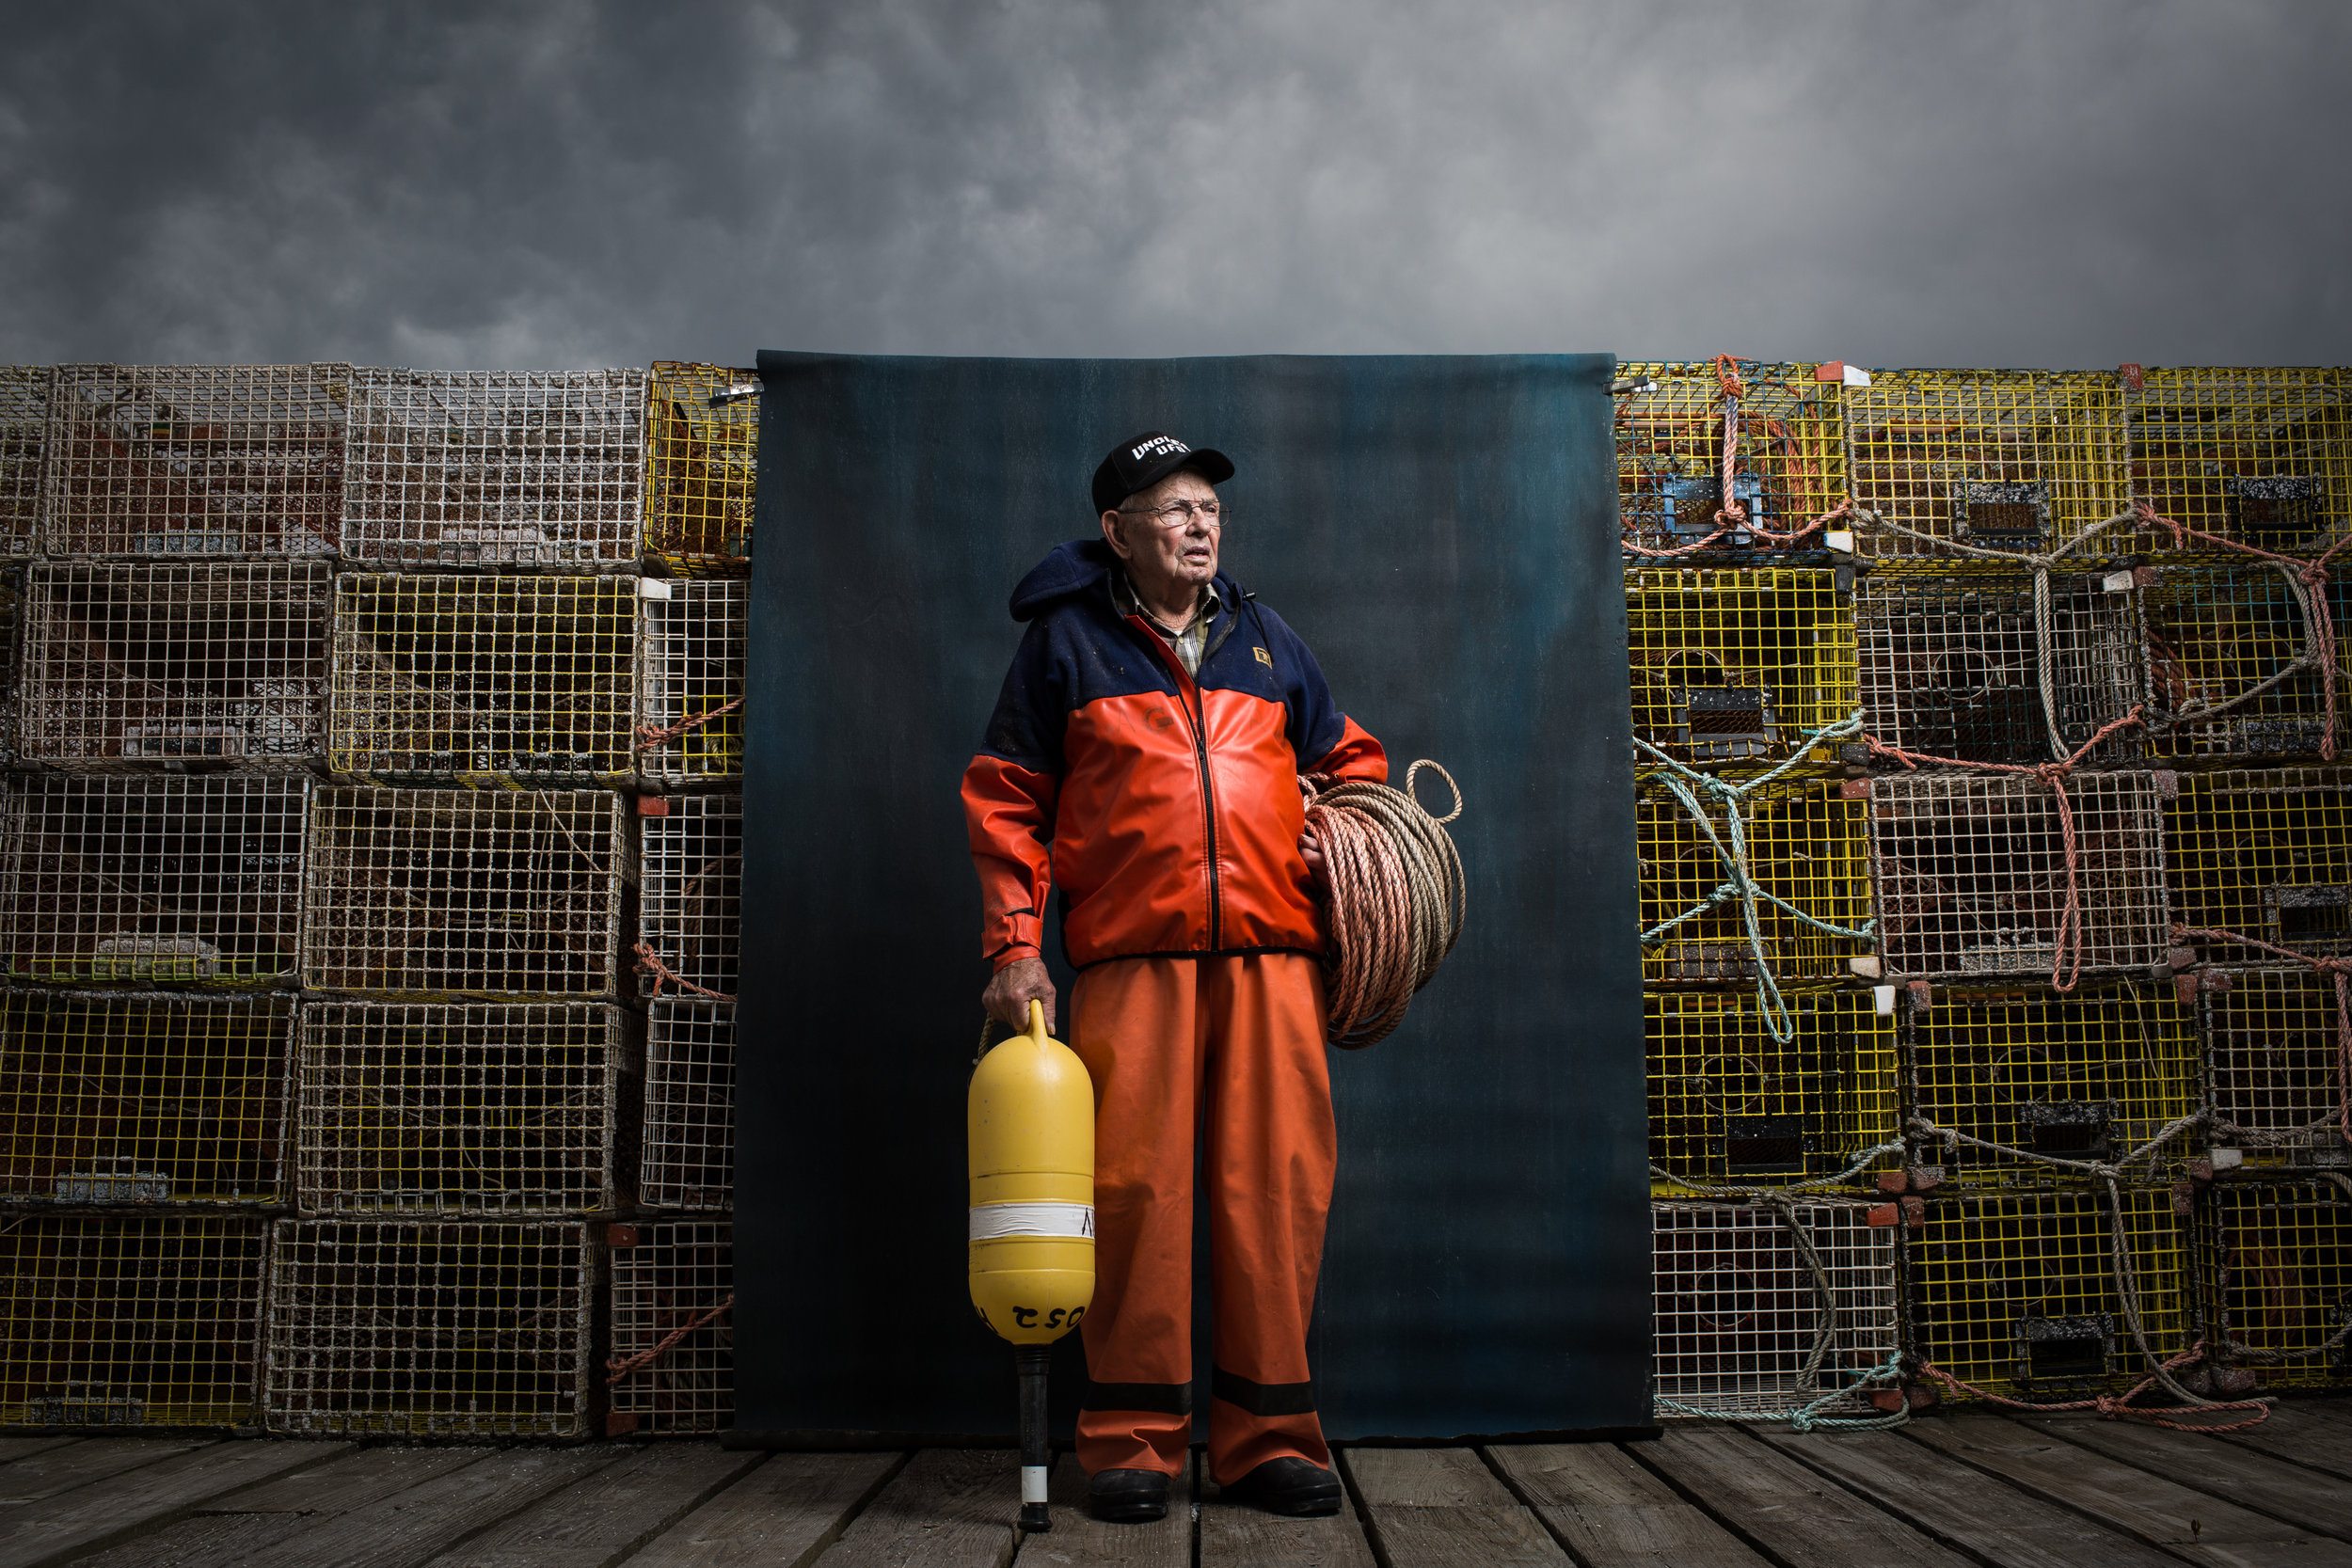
pixel 1179 514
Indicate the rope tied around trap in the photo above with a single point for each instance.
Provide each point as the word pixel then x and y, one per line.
pixel 643 1359
pixel 1731 513
pixel 1398 897
pixel 2336 969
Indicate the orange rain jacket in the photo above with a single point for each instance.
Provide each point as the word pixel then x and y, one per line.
pixel 1165 807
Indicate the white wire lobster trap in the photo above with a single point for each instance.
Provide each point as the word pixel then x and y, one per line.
pixel 195 459
pixel 690 895
pixel 125 665
pixel 2262 855
pixel 123 1323
pixel 157 881
pixel 1738 1313
pixel 495 469
pixel 443 1109
pixel 482 681
pixel 427 1329
pixel 2275 1073
pixel 2261 455
pixel 691 640
pixel 142 1098
pixel 1977 664
pixel 687 1155
pixel 2233 668
pixel 672 1278
pixel 23 438
pixel 1971 874
pixel 415 894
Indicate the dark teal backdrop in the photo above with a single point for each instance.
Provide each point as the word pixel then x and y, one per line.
pixel 1442 532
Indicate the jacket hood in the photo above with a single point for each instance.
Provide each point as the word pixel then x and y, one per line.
pixel 1077 566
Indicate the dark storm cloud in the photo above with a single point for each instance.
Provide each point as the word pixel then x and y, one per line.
pixel 563 185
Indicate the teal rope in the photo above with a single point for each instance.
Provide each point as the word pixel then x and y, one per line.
pixel 1809 1417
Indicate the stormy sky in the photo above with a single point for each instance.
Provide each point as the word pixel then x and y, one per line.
pixel 2070 184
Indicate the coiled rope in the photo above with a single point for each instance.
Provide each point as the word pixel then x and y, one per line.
pixel 1397 898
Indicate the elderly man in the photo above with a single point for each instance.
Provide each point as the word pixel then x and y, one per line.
pixel 1145 754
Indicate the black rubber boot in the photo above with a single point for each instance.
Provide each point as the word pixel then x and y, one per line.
pixel 1291 1487
pixel 1127 1496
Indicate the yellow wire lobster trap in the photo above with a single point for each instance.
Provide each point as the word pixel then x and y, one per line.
pixel 112 881
pixel 1788 465
pixel 2019 1293
pixel 125 666
pixel 23 438
pixel 484 681
pixel 2087 1077
pixel 2233 668
pixel 692 637
pixel 461 895
pixel 427 1329
pixel 2265 854
pixel 2274 1068
pixel 672 1278
pixel 704 467
pixel 142 1098
pixel 2020 462
pixel 195 459
pixel 2279 1275
pixel 1737 1313
pixel 1971 872
pixel 443 1109
pixel 1986 663
pixel 690 895
pixel 495 469
pixel 2261 456
pixel 687 1151
pixel 1736 665
pixel 122 1324
pixel 1729 1104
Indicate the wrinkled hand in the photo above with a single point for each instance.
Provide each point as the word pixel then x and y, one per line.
pixel 1011 988
pixel 1318 876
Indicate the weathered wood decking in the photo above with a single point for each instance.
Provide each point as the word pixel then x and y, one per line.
pixel 1949 1492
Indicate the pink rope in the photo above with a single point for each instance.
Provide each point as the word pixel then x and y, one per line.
pixel 647 1357
pixel 649 962
pixel 649 735
pixel 1731 513
pixel 2119 1407
pixel 2338 969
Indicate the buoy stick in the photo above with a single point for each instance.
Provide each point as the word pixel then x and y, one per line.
pixel 1036 1458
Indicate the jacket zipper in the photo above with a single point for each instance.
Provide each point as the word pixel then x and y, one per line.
pixel 1198 721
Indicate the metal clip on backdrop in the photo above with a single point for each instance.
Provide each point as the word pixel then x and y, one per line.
pixel 1397 898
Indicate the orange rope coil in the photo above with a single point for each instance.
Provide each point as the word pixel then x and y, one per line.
pixel 1397 898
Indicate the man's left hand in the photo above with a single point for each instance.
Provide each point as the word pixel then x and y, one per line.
pixel 1318 875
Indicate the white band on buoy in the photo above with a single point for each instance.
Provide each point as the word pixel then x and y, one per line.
pixel 991 1221
pixel 1032 1483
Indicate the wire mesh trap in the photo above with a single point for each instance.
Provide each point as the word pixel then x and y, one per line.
pixel 125 666
pixel 1800 841
pixel 687 1155
pixel 1788 470
pixel 2087 1077
pixel 690 893
pixel 1972 875
pixel 669 1278
pixel 128 1323
pixel 142 1098
pixel 494 468
pixel 1736 1312
pixel 484 680
pixel 2261 456
pixel 2231 667
pixel 462 893
pixel 205 460
pixel 2274 1068
pixel 2265 854
pixel 2280 1256
pixel 433 1108
pixel 427 1329
pixel 2015 461
pixel 2017 1292
pixel 689 682
pixel 1735 666
pixel 116 880
pixel 1729 1104
pixel 1953 662
pixel 704 460
pixel 24 437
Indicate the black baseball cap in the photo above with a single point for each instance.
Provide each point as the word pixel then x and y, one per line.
pixel 1142 461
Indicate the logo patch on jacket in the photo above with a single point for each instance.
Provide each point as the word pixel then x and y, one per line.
pixel 1264 657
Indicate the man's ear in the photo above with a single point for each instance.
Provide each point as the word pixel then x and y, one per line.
pixel 1112 534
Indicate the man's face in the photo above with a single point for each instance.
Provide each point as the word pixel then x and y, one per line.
pixel 1185 553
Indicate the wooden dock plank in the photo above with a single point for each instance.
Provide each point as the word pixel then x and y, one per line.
pixel 1443 1507
pixel 1773 1502
pixel 2148 1507
pixel 141 1498
pixel 1078 1540
pixel 45 1475
pixel 2317 1503
pixel 603 1518
pixel 1983 1516
pixel 409 1526
pixel 21 1447
pixel 200 1541
pixel 2301 1434
pixel 781 1515
pixel 1611 1513
pixel 340 1485
pixel 1238 1535
pixel 949 1508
